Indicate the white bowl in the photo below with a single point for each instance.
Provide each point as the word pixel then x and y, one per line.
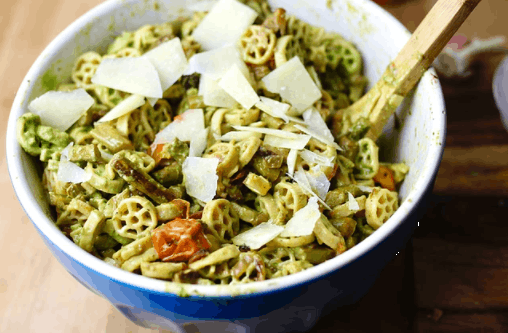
pixel 419 142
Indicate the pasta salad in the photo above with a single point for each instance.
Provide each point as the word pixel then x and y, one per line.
pixel 213 149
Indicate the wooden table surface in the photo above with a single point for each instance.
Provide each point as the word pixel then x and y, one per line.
pixel 453 276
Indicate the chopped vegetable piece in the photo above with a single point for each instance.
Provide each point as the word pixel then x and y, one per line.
pixel 257 184
pixel 111 138
pixel 385 178
pixel 141 181
pixel 179 240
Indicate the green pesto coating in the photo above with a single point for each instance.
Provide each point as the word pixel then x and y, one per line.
pixel 34 137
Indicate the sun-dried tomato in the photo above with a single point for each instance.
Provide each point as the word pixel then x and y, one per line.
pixel 385 178
pixel 179 240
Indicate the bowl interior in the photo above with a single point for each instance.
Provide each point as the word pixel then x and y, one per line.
pixel 417 139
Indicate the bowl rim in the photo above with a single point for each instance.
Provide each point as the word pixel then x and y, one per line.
pixel 46 226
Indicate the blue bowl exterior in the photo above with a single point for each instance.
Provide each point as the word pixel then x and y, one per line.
pixel 291 309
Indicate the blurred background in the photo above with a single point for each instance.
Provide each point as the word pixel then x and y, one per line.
pixel 453 276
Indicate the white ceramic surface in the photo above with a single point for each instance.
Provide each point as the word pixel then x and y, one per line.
pixel 377 34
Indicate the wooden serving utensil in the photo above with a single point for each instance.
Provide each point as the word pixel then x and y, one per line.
pixel 405 71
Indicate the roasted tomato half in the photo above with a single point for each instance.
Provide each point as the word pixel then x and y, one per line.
pixel 179 240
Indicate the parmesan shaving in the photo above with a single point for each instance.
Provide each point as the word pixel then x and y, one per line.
pixel 239 136
pixel 279 133
pixel 69 172
pixel 216 63
pixel 258 236
pixel 274 108
pixel 352 203
pixel 152 100
pixel 61 109
pixel 318 181
pixel 277 141
pixel 126 106
pixel 294 84
pixel 315 123
pixel 198 143
pixel 318 136
pixel 133 75
pixel 364 188
pixel 169 60
pixel 224 24
pixel 201 177
pixel 236 85
pixel 303 221
pixel 301 179
pixel 185 127
pixel 213 94
pixel 313 158
pixel 291 161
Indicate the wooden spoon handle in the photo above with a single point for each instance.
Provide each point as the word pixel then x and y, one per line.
pixel 413 60
pixel 431 36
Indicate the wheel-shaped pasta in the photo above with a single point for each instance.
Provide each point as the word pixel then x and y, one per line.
pixel 345 52
pixel 248 148
pixel 326 233
pixel 249 215
pixel 109 97
pixel 190 46
pixel 84 68
pixel 102 178
pixel 291 241
pixel 325 105
pixel 148 35
pixel 91 230
pixel 134 217
pixel 291 268
pixel 128 52
pixel 367 159
pixel 290 196
pixel 345 210
pixel 249 268
pixel 257 44
pixel 241 116
pixel 161 270
pixel 221 255
pixel 221 219
pixel 380 205
pixel 267 205
pixel 158 116
pixel 216 122
pixel 81 135
pixel 218 273
pixel 191 24
pixel 77 211
pixel 125 40
pixel 228 155
pixel 286 48
pixel 140 160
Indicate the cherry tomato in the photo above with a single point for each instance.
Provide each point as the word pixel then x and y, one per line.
pixel 179 240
